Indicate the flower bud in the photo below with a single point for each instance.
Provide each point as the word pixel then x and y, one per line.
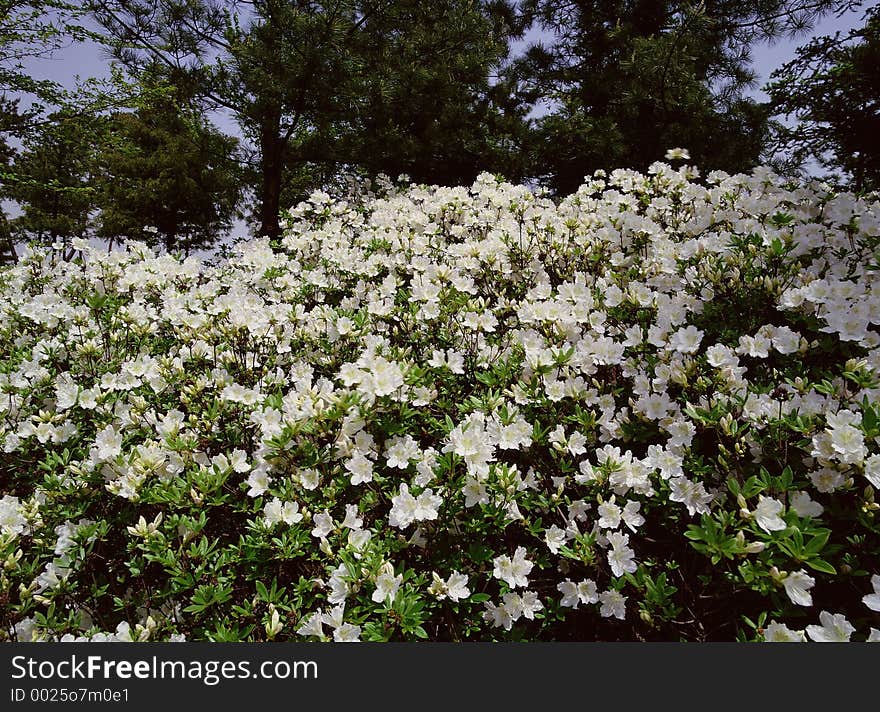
pixel 273 625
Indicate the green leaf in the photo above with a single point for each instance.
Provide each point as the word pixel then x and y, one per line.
pixel 420 632
pixel 821 565
pixel 817 543
pixel 694 533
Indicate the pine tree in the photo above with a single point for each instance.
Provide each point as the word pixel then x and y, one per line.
pixel 830 92
pixel 317 87
pixel 28 29
pixel 51 179
pixel 628 79
pixel 164 174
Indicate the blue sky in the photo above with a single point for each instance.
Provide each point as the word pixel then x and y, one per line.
pixel 768 57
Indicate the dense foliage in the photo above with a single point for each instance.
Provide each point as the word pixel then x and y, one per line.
pixel 647 411
pixel 165 174
pixel 28 30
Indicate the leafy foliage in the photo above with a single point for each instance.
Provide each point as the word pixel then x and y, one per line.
pixel 319 88
pixel 52 178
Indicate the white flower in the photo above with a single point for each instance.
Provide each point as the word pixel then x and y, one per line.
pixel 66 392
pixel 525 605
pixel 767 514
pixel 108 444
pixel 400 451
pixel 631 517
pixel 513 571
pixel 258 483
pixel 849 442
pixel 554 537
pixel 454 588
pixel 797 586
pixel 872 470
pixel 347 633
pixel 309 478
pixel 692 494
pixel 403 508
pixel 677 154
pixel 313 625
pixel 323 524
pixel 499 616
pixel 786 341
pixel 720 355
pixel 239 462
pixel 352 518
pixel 54 573
pixel 276 511
pixel 569 591
pixel 360 467
pixel 872 600
pixel 613 604
pixel 428 505
pixel 609 514
pixel 587 591
pixel 827 480
pixel 781 633
pixel 384 377
pixel 833 629
pixel 474 493
pixel 620 556
pixel 359 538
pixel 386 584
pixel 12 521
pixel 406 509
pixel 803 506
pixel 339 588
pixel 686 340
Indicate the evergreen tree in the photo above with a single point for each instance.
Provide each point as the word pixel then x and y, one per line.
pixel 165 175
pixel 630 78
pixel 317 87
pixel 51 179
pixel 28 29
pixel 831 93
pixel 425 105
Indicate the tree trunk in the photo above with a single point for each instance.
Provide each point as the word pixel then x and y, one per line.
pixel 859 173
pixel 171 235
pixel 7 244
pixel 272 164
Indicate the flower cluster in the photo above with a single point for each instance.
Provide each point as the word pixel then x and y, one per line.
pixel 646 411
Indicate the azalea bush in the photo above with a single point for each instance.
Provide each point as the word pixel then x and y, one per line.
pixel 648 411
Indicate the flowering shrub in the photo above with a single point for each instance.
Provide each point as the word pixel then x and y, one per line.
pixel 646 412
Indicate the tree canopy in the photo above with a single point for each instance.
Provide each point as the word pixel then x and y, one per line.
pixel 315 87
pixel 830 95
pixel 165 174
pixel 627 79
